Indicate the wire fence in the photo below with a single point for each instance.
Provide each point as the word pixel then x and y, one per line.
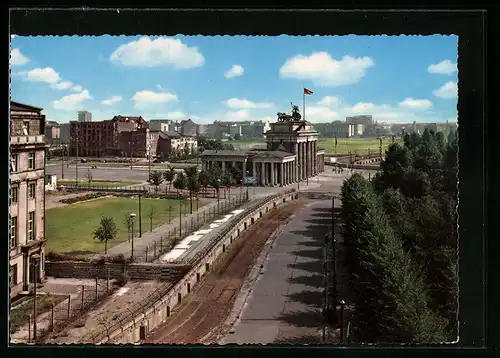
pixel 69 310
pixel 187 225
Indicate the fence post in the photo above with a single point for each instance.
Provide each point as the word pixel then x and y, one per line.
pixel 146 254
pixel 107 280
pixel 96 289
pixel 29 328
pixel 191 223
pixel 83 292
pixel 69 306
pixel 204 216
pixel 154 248
pixel 175 231
pixel 52 318
pixel 161 244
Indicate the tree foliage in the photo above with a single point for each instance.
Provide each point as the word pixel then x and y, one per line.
pixel 169 176
pixel 106 231
pixel 401 242
pixel 180 181
pixel 155 179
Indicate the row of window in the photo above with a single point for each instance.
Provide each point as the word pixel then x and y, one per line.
pixel 14 192
pixel 14 229
pixel 14 162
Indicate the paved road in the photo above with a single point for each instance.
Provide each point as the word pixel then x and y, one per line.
pixel 285 302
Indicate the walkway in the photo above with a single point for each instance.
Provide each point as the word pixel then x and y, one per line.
pixel 285 302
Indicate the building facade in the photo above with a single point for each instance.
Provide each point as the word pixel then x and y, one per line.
pixel 27 197
pixel 52 133
pixel 292 155
pixel 110 137
pixel 84 116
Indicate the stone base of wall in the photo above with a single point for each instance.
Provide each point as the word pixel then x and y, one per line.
pixel 164 272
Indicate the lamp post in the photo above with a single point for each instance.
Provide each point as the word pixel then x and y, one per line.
pixel 132 216
pixel 342 306
pixel 140 217
pixel 149 158
pixel 35 259
pixel 218 196
pixel 298 179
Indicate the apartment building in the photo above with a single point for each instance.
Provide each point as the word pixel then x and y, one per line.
pixel 110 137
pixel 173 143
pixel 27 197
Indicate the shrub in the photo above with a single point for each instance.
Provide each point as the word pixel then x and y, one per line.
pixel 98 260
pixel 122 279
pixel 118 259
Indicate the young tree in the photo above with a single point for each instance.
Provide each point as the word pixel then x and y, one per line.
pixel 128 223
pixel 227 180
pixel 180 181
pixel 193 184
pixel 204 179
pixel 169 175
pixel 215 175
pixel 89 177
pixel 151 214
pixel 106 231
pixel 155 179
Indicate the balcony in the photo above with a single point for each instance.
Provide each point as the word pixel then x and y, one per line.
pixel 29 139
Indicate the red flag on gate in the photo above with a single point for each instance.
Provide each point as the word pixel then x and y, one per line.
pixel 306 91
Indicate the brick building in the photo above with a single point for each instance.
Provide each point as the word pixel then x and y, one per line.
pixel 120 136
pixel 27 196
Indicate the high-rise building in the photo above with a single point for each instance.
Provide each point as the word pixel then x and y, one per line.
pixel 27 197
pixel 84 116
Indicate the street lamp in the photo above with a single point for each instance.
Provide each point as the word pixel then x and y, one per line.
pixel 149 158
pixel 35 259
pixel 132 217
pixel 218 196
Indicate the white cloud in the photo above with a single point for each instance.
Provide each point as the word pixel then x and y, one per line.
pixel 17 58
pixel 72 101
pixel 321 114
pixel 445 67
pixel 235 71
pixel 447 91
pixel 162 51
pixel 112 100
pixel 416 103
pixel 144 99
pixel 160 88
pixel 241 114
pixel 246 104
pixel 77 88
pixel 361 107
pixel 46 75
pixel 61 85
pixel 323 70
pixel 330 101
pixel 176 115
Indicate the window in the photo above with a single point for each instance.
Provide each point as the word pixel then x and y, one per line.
pixel 13 232
pixel 13 163
pixel 26 127
pixel 13 194
pixel 31 190
pixel 31 160
pixel 13 275
pixel 31 226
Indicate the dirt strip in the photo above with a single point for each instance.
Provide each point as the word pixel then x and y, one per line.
pixel 199 318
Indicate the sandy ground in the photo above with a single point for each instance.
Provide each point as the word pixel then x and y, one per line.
pixel 201 316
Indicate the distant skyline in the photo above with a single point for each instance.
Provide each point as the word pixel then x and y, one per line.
pixel 396 79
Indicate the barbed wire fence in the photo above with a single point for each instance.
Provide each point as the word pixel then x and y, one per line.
pixel 69 310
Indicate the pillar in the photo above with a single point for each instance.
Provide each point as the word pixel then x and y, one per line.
pixel 223 166
pixel 272 175
pixel 315 160
pixel 244 170
pixel 282 175
pixel 296 167
pixel 262 174
pixel 254 173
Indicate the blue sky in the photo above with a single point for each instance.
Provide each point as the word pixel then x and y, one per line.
pixel 394 78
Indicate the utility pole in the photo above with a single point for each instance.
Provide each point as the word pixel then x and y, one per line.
pixel 77 146
pixel 62 159
pixel 35 259
pixel 140 217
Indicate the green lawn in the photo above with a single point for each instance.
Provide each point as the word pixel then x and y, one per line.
pixel 106 184
pixel 359 145
pixel 21 310
pixel 69 228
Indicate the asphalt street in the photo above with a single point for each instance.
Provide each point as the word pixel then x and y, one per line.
pixel 285 302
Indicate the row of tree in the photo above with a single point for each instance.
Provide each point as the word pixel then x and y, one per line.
pixel 193 180
pixel 401 242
